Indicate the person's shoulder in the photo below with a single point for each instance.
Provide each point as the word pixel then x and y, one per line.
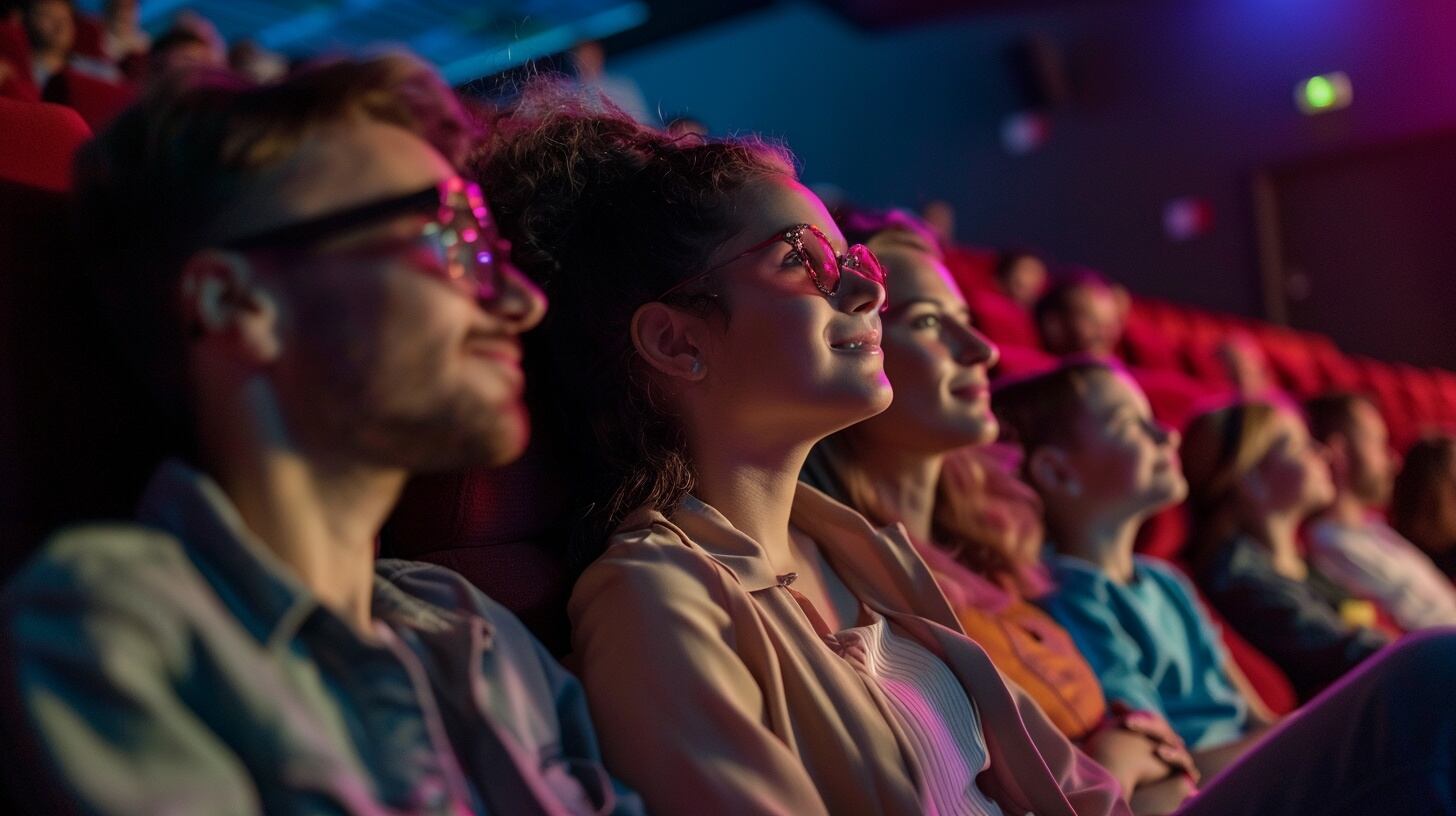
pixel 1077 583
pixel 111 558
pixel 1173 581
pixel 129 580
pixel 445 589
pixel 650 561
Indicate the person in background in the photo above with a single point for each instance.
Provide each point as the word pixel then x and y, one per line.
pixel 589 60
pixel 50 27
pixel 255 62
pixel 748 645
pixel 1255 476
pixel 123 37
pixel 1349 543
pixel 181 50
pixel 1080 314
pixel 1023 276
pixel 1423 501
pixel 1092 443
pixel 939 215
pixel 1102 465
pixel 928 462
pixel 321 307
pixel 685 125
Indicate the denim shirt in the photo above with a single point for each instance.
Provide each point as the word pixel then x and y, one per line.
pixel 177 666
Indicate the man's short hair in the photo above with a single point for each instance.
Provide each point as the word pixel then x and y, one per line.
pixel 1058 297
pixel 151 189
pixel 1333 413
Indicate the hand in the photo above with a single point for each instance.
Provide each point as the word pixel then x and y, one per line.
pixel 1170 747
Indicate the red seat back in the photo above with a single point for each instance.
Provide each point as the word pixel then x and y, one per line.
pixel 504 529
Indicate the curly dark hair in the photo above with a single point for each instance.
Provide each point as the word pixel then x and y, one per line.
pixel 606 214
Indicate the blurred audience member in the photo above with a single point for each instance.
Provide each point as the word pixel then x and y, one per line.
pixel 1247 366
pixel 322 309
pixel 122 33
pixel 1350 543
pixel 1423 503
pixel 50 27
pixel 182 50
pixel 1081 313
pixel 1102 466
pixel 1254 476
pixel 256 62
pixel 590 61
pixel 686 125
pixel 1022 275
pixel 940 216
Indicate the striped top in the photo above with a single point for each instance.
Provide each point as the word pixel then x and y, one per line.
pixel 940 723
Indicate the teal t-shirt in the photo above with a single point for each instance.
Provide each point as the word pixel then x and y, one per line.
pixel 1152 646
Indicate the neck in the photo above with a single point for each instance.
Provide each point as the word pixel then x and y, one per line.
pixel 1347 509
pixel 906 481
pixel 319 515
pixel 754 489
pixel 51 60
pixel 1107 544
pixel 1281 535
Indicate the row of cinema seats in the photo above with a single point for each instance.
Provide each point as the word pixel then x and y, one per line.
pixel 97 101
pixel 1174 353
pixel 75 419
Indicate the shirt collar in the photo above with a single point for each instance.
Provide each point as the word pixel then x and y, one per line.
pixel 840 532
pixel 261 591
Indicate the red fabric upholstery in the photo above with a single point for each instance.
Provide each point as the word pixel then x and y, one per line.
pixel 972 269
pixel 37 141
pixel 504 529
pixel 1175 397
pixel 999 318
pixel 1020 361
pixel 97 100
pixel 1144 342
pixel 90 37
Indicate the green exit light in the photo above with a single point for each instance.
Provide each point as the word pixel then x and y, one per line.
pixel 1323 93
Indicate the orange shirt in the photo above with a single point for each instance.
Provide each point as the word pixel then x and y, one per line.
pixel 1027 646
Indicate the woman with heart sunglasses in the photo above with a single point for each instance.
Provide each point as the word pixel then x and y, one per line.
pixel 748 645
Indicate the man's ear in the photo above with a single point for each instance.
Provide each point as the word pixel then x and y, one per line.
pixel 224 305
pixel 1052 474
pixel 670 340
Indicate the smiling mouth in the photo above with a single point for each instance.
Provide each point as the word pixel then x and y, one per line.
pixel 857 347
pixel 970 393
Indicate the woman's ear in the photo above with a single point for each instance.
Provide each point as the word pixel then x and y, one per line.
pixel 224 305
pixel 1052 474
pixel 670 340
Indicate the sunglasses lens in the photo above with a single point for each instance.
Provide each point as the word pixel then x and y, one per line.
pixel 863 261
pixel 470 241
pixel 821 260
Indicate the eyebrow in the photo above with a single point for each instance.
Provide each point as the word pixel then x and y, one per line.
pixel 902 305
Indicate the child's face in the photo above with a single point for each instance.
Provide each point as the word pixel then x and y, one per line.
pixel 1125 463
pixel 1295 474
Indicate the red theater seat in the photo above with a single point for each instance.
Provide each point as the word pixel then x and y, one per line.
pixel 1000 319
pixel 1020 361
pixel 504 529
pixel 1144 342
pixel 97 100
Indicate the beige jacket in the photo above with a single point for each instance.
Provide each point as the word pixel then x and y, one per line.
pixel 713 693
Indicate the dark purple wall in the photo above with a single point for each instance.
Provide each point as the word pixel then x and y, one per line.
pixel 1171 99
